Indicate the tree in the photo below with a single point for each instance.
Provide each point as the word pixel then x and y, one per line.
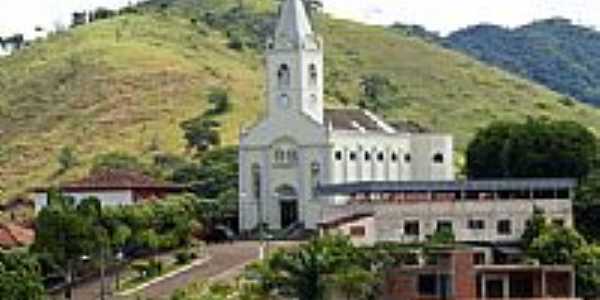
pixel 354 282
pixel 536 226
pixel 20 277
pixel 215 175
pixel 536 148
pixel 588 271
pixel 219 99
pixel 557 246
pixel 118 161
pixel 304 272
pixel 378 92
pixel 66 159
pixel 201 133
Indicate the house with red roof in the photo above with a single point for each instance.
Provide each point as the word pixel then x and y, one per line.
pixel 112 188
pixel 15 236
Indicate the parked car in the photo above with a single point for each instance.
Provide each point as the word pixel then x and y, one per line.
pixel 220 234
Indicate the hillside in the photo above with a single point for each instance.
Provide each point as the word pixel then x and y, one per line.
pixel 126 83
pixel 556 53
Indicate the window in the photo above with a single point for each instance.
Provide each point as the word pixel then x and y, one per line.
pixel 256 180
pixel 339 155
pixel 428 285
pixel 292 156
pixel 283 75
pixel 411 228
pixel 358 231
pixel 479 258
pixel 315 173
pixel 380 156
pixel 558 222
pixel 279 156
pixel 352 156
pixel 476 224
pixel 504 227
pixel 367 156
pixel 444 226
pixel 313 74
pixel 407 158
pixel 438 158
pixel 394 157
pixel 435 285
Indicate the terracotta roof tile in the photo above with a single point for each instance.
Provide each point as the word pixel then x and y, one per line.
pixel 12 236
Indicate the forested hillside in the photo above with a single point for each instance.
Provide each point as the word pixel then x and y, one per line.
pixel 127 82
pixel 556 53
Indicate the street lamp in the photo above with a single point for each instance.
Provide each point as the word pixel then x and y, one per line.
pixel 120 257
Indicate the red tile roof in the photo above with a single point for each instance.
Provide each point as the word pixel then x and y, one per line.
pixel 13 236
pixel 117 179
pixel 342 220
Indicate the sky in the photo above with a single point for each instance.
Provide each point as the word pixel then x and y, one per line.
pixel 443 16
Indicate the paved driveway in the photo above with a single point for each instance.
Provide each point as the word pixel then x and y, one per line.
pixel 225 263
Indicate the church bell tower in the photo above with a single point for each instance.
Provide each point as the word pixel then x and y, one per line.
pixel 295 65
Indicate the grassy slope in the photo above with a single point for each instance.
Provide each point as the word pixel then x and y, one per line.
pixel 96 92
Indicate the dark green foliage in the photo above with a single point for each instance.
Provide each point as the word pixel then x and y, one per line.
pixel 215 176
pixel 219 98
pixel 536 148
pixel 417 31
pixel 102 13
pixel 244 29
pixel 536 227
pixel 66 159
pixel 556 246
pixel 303 272
pixel 378 92
pixel 20 277
pixel 118 161
pixel 201 133
pixel 554 52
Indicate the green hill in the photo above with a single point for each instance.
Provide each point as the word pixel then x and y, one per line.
pixel 555 52
pixel 126 83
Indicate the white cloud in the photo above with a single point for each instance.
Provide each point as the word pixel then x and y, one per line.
pixel 445 16
pixel 438 15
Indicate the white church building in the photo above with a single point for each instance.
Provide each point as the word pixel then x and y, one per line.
pixel 300 145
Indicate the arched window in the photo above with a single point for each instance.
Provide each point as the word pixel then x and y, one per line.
pixel 380 156
pixel 367 156
pixel 292 156
pixel 438 158
pixel 407 158
pixel 279 156
pixel 283 75
pixel 394 157
pixel 315 173
pixel 256 182
pixel 313 74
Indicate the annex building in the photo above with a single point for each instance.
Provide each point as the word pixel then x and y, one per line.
pixel 304 165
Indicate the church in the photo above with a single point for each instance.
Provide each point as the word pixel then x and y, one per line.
pixel 300 145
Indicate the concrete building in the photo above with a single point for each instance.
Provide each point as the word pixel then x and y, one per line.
pixel 457 274
pixel 481 211
pixel 300 145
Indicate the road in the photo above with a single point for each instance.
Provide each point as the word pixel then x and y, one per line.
pixel 224 263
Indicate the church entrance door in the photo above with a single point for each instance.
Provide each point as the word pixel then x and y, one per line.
pixel 289 213
pixel 288 203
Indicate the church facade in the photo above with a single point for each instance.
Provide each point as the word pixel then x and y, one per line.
pixel 300 145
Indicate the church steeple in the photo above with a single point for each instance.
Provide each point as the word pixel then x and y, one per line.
pixel 295 65
pixel 294 25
